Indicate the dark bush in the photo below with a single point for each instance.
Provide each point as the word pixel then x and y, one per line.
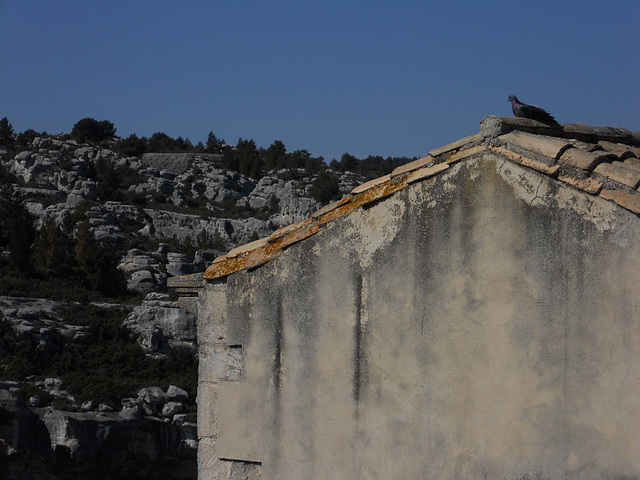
pixel 325 187
pixel 92 130
pixel 132 146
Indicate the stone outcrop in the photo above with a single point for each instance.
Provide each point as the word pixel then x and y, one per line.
pixel 159 324
pixel 63 169
pixel 130 443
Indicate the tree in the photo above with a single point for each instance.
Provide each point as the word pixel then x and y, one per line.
pixel 6 132
pixel 325 187
pixel 54 251
pixel 25 138
pixel 276 156
pixel 132 146
pixel 348 162
pixel 214 144
pixel 99 263
pixel 17 231
pixel 161 142
pixel 91 130
pixel 249 159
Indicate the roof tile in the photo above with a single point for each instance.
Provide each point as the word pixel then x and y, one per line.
pixel 331 206
pixel 289 228
pixel 247 247
pixel 587 133
pixel 477 137
pixel 251 259
pixel 589 185
pixel 583 159
pixel 632 161
pixel 634 164
pixel 619 173
pixel 425 173
pixel 411 166
pixel 291 238
pixel 370 184
pixel 620 150
pixel 548 146
pixel 527 162
pixel 460 154
pixel 630 201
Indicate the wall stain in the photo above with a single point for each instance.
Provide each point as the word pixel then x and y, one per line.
pixel 359 358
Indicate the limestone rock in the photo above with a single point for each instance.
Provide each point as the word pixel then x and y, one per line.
pixel 176 394
pixel 171 408
pixel 159 316
pixel 152 395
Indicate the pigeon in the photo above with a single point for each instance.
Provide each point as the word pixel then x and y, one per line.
pixel 529 111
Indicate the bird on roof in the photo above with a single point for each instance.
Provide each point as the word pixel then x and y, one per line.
pixel 529 111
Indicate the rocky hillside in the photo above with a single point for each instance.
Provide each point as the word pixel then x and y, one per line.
pixel 97 364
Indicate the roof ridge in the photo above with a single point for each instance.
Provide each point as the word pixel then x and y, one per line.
pixel 571 153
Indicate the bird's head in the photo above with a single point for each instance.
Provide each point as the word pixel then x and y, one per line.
pixel 513 98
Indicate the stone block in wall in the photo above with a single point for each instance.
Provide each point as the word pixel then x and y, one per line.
pixel 207 410
pixel 220 363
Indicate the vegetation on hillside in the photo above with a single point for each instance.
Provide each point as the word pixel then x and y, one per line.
pixel 63 261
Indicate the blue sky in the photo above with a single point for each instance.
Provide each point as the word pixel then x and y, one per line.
pixel 391 78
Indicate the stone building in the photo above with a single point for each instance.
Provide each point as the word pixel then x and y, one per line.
pixel 474 314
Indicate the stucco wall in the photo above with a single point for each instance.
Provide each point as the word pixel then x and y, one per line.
pixel 480 324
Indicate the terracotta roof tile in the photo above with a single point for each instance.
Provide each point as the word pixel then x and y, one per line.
pixel 370 184
pixel 527 162
pixel 620 150
pixel 544 145
pixel 634 164
pixel 477 137
pixel 425 173
pixel 331 206
pixel 632 161
pixel 462 154
pixel 618 172
pixel 411 166
pixel 293 237
pixel 573 151
pixel 289 228
pixel 247 247
pixel 583 159
pixel 589 185
pixel 630 201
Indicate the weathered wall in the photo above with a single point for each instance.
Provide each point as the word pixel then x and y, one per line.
pixel 481 324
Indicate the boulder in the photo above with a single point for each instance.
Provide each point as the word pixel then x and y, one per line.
pixel 176 394
pixel 151 339
pixel 145 281
pixel 152 396
pixel 171 408
pixel 53 384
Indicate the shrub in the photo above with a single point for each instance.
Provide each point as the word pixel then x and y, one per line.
pixel 132 146
pixel 325 187
pixel 91 130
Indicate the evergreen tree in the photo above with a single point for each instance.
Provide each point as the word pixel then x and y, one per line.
pixel 99 263
pixel 214 144
pixel 54 251
pixel 17 231
pixel 275 157
pixel 132 146
pixel 6 132
pixel 91 130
